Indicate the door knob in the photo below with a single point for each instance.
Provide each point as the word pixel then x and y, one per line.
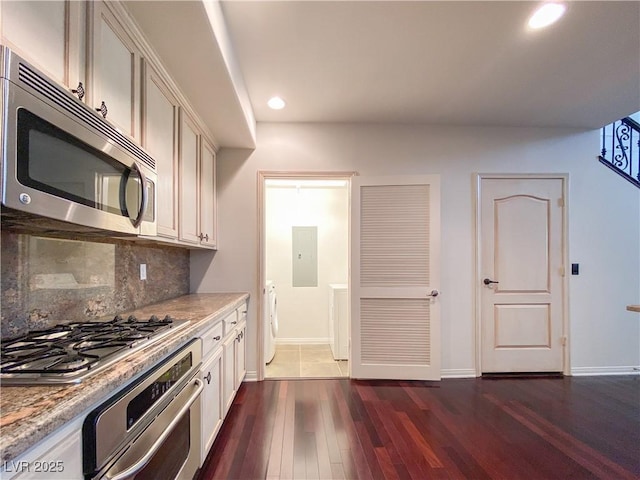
pixel 488 281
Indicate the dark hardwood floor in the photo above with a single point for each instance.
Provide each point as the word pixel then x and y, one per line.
pixel 574 427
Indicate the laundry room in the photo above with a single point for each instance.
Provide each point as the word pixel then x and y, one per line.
pixel 306 258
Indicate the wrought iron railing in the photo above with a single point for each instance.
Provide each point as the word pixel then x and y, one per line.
pixel 620 149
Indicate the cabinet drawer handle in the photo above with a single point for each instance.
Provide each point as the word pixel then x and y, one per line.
pixel 79 91
pixel 234 322
pixel 103 109
pixel 217 337
pixel 208 378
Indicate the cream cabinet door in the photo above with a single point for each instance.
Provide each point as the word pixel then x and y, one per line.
pixel 208 196
pixel 188 191
pixel 114 70
pixel 58 456
pixel 160 138
pixel 211 401
pixel 48 34
pixel 229 368
pixel 241 354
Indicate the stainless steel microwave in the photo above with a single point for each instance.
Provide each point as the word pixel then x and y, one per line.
pixel 64 167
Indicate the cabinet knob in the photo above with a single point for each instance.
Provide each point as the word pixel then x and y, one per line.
pixel 103 110
pixel 208 378
pixel 234 322
pixel 206 237
pixel 217 337
pixel 79 91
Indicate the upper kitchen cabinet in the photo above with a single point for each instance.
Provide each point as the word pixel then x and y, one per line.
pixel 50 35
pixel 114 69
pixel 188 177
pixel 197 194
pixel 208 220
pixel 160 137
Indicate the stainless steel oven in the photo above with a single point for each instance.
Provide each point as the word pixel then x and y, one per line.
pixel 63 162
pixel 151 429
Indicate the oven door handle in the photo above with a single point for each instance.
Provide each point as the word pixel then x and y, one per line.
pixel 139 465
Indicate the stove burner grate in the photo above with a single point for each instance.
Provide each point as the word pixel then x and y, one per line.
pixel 72 348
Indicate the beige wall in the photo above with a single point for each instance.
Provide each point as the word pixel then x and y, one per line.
pixel 604 221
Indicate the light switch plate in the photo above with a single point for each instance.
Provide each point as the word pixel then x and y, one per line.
pixel 143 271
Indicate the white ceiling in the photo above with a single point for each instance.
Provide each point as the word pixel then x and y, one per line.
pixel 450 62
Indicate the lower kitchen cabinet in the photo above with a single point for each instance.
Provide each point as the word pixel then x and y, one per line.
pixel 241 357
pixel 229 368
pixel 234 354
pixel 222 372
pixel 211 401
pixel 58 456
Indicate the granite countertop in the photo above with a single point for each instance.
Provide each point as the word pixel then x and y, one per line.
pixel 633 308
pixel 29 413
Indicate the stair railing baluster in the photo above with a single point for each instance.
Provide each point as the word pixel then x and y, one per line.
pixel 625 149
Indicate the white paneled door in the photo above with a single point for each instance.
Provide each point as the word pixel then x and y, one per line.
pixel 521 274
pixel 395 275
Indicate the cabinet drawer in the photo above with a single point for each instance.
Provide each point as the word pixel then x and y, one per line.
pixel 242 313
pixel 211 339
pixel 230 322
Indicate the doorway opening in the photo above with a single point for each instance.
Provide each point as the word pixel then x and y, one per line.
pixel 304 275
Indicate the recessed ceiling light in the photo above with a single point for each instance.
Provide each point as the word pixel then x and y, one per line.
pixel 276 103
pixel 546 15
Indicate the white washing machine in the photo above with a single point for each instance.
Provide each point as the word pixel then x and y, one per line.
pixel 271 322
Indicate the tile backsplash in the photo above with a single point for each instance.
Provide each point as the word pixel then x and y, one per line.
pixel 46 281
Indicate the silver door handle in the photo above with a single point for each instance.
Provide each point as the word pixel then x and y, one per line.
pixel 434 293
pixel 143 204
pixel 139 465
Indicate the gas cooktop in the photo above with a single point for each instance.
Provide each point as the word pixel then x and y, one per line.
pixel 69 353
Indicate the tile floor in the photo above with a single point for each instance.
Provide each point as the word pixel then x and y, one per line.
pixel 305 361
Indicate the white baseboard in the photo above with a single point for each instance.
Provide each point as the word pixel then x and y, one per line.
pixel 584 371
pixel 302 341
pixel 458 373
pixel 251 376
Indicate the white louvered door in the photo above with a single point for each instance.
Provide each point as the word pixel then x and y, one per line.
pixel 395 268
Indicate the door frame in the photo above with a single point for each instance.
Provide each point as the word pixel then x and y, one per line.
pixel 477 186
pixel 263 176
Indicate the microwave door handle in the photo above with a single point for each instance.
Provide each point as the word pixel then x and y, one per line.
pixel 139 465
pixel 145 195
